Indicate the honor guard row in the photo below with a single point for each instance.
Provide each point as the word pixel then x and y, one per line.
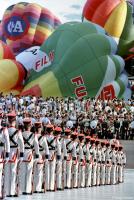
pixel 46 158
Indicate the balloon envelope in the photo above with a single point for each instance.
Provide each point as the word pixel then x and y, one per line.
pixel 27 24
pixel 116 16
pixel 79 60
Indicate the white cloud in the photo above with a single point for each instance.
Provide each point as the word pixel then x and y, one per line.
pixel 61 8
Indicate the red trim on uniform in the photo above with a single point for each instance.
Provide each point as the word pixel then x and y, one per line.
pixel 13 158
pixel 52 157
pixel 76 161
pixel 69 157
pixel 40 163
pixel 29 158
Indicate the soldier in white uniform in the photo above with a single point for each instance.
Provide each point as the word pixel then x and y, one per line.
pixel 117 163
pixel 58 149
pixel 4 154
pixel 39 170
pixel 26 168
pixel 73 150
pixel 67 163
pixel 94 165
pixel 108 163
pixel 50 176
pixel 114 164
pixel 124 164
pixel 103 162
pixel 16 152
pixel 81 160
pixel 120 162
pixel 89 161
pixel 114 140
pixel 98 156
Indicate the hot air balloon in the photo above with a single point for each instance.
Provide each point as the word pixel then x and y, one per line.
pixel 12 73
pixel 78 60
pixel 2 37
pixel 5 51
pixel 116 16
pixel 116 88
pixel 27 24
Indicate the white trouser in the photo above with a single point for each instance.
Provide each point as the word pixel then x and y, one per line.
pixel 81 175
pixel 117 174
pixel 68 173
pixel 10 178
pixel 52 166
pixel 75 174
pixel 88 175
pixel 94 170
pixel 98 174
pixel 1 178
pixel 26 176
pixel 64 173
pixel 59 174
pixel 120 174
pixel 103 174
pixel 113 174
pixel 123 173
pixel 38 177
pixel 108 174
pixel 47 174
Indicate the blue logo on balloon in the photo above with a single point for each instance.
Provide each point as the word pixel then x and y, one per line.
pixel 16 27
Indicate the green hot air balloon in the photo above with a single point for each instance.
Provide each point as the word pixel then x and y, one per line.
pixel 77 60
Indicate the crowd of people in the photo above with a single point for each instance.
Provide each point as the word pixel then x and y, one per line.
pixel 100 118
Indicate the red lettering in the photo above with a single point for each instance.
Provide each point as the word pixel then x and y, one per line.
pixel 78 80
pixel 45 60
pixel 81 91
pixel 107 93
pixel 37 64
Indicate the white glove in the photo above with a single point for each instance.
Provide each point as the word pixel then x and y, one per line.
pixel 21 159
pixel 36 158
pixel 6 160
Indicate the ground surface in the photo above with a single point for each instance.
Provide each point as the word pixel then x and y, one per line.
pixel 123 191
pixel 129 149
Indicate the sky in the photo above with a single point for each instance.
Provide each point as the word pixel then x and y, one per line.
pixel 66 10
